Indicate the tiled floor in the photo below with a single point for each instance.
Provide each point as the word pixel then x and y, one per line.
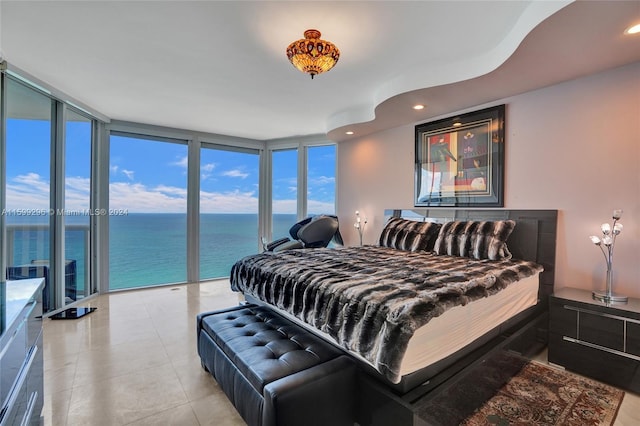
pixel 134 362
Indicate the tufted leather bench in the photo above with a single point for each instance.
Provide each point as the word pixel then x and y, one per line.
pixel 275 372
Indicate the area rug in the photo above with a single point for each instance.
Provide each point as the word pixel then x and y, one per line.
pixel 458 398
pixel 541 395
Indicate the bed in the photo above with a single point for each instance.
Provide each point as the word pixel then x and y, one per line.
pixel 437 286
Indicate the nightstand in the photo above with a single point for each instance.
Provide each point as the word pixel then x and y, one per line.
pixel 595 339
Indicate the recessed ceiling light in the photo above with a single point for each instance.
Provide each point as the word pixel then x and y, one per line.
pixel 457 124
pixel 418 107
pixel 348 133
pixel 633 30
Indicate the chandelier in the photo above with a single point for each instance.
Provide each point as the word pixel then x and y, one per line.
pixel 312 55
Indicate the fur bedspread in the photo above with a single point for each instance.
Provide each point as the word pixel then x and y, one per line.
pixel 371 299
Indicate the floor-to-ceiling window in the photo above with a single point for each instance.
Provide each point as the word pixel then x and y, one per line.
pixel 227 226
pixel 147 185
pixel 28 177
pixel 284 191
pixel 303 182
pixel 39 129
pixel 148 205
pixel 228 208
pixel 321 179
pixel 78 137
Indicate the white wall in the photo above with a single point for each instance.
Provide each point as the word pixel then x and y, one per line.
pixel 574 147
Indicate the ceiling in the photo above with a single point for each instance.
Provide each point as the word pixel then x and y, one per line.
pixel 220 66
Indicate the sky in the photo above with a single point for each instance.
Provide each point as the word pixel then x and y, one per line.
pixel 151 177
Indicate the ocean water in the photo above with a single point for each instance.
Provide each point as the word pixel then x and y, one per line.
pixel 151 249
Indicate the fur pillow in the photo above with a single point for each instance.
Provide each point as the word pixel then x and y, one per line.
pixel 475 239
pixel 404 234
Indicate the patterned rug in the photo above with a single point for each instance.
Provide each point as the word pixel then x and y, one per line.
pixel 541 395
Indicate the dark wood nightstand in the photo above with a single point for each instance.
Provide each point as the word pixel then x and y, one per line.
pixel 595 339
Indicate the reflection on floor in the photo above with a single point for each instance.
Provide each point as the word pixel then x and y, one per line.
pixel 134 362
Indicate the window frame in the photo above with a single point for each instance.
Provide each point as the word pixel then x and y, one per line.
pixel 60 105
pixel 103 127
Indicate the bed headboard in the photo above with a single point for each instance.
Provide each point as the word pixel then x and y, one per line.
pixel 533 238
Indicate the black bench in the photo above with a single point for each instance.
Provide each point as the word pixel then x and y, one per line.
pixel 275 372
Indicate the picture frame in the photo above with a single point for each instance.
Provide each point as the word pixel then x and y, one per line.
pixel 459 161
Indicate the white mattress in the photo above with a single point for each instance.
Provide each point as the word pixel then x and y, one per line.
pixel 457 327
pixel 461 325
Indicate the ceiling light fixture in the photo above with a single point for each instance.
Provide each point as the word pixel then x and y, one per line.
pixel 348 132
pixel 633 30
pixel 312 55
pixel 418 107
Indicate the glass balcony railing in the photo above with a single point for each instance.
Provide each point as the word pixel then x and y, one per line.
pixel 28 257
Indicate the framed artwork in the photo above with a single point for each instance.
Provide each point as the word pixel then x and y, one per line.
pixel 459 161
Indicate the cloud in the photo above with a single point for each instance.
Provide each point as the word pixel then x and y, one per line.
pixel 138 198
pixel 205 170
pixel 171 191
pixel 31 191
pixel 77 183
pixel 28 191
pixel 128 173
pixel 182 162
pixel 322 180
pixel 77 193
pixel 235 173
pixel 229 202
pixel 33 180
pixel 320 207
pixel 313 207
pixel 284 206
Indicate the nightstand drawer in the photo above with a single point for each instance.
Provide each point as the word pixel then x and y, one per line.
pixel 601 330
pixel 586 325
pixel 633 339
pixel 595 363
pixel 563 321
pixel 595 339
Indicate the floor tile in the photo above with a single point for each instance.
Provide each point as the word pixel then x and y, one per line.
pixel 182 415
pixel 123 399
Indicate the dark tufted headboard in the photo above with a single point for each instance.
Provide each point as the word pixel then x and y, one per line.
pixel 533 238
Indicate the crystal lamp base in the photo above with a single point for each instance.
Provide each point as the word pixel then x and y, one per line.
pixel 607 297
